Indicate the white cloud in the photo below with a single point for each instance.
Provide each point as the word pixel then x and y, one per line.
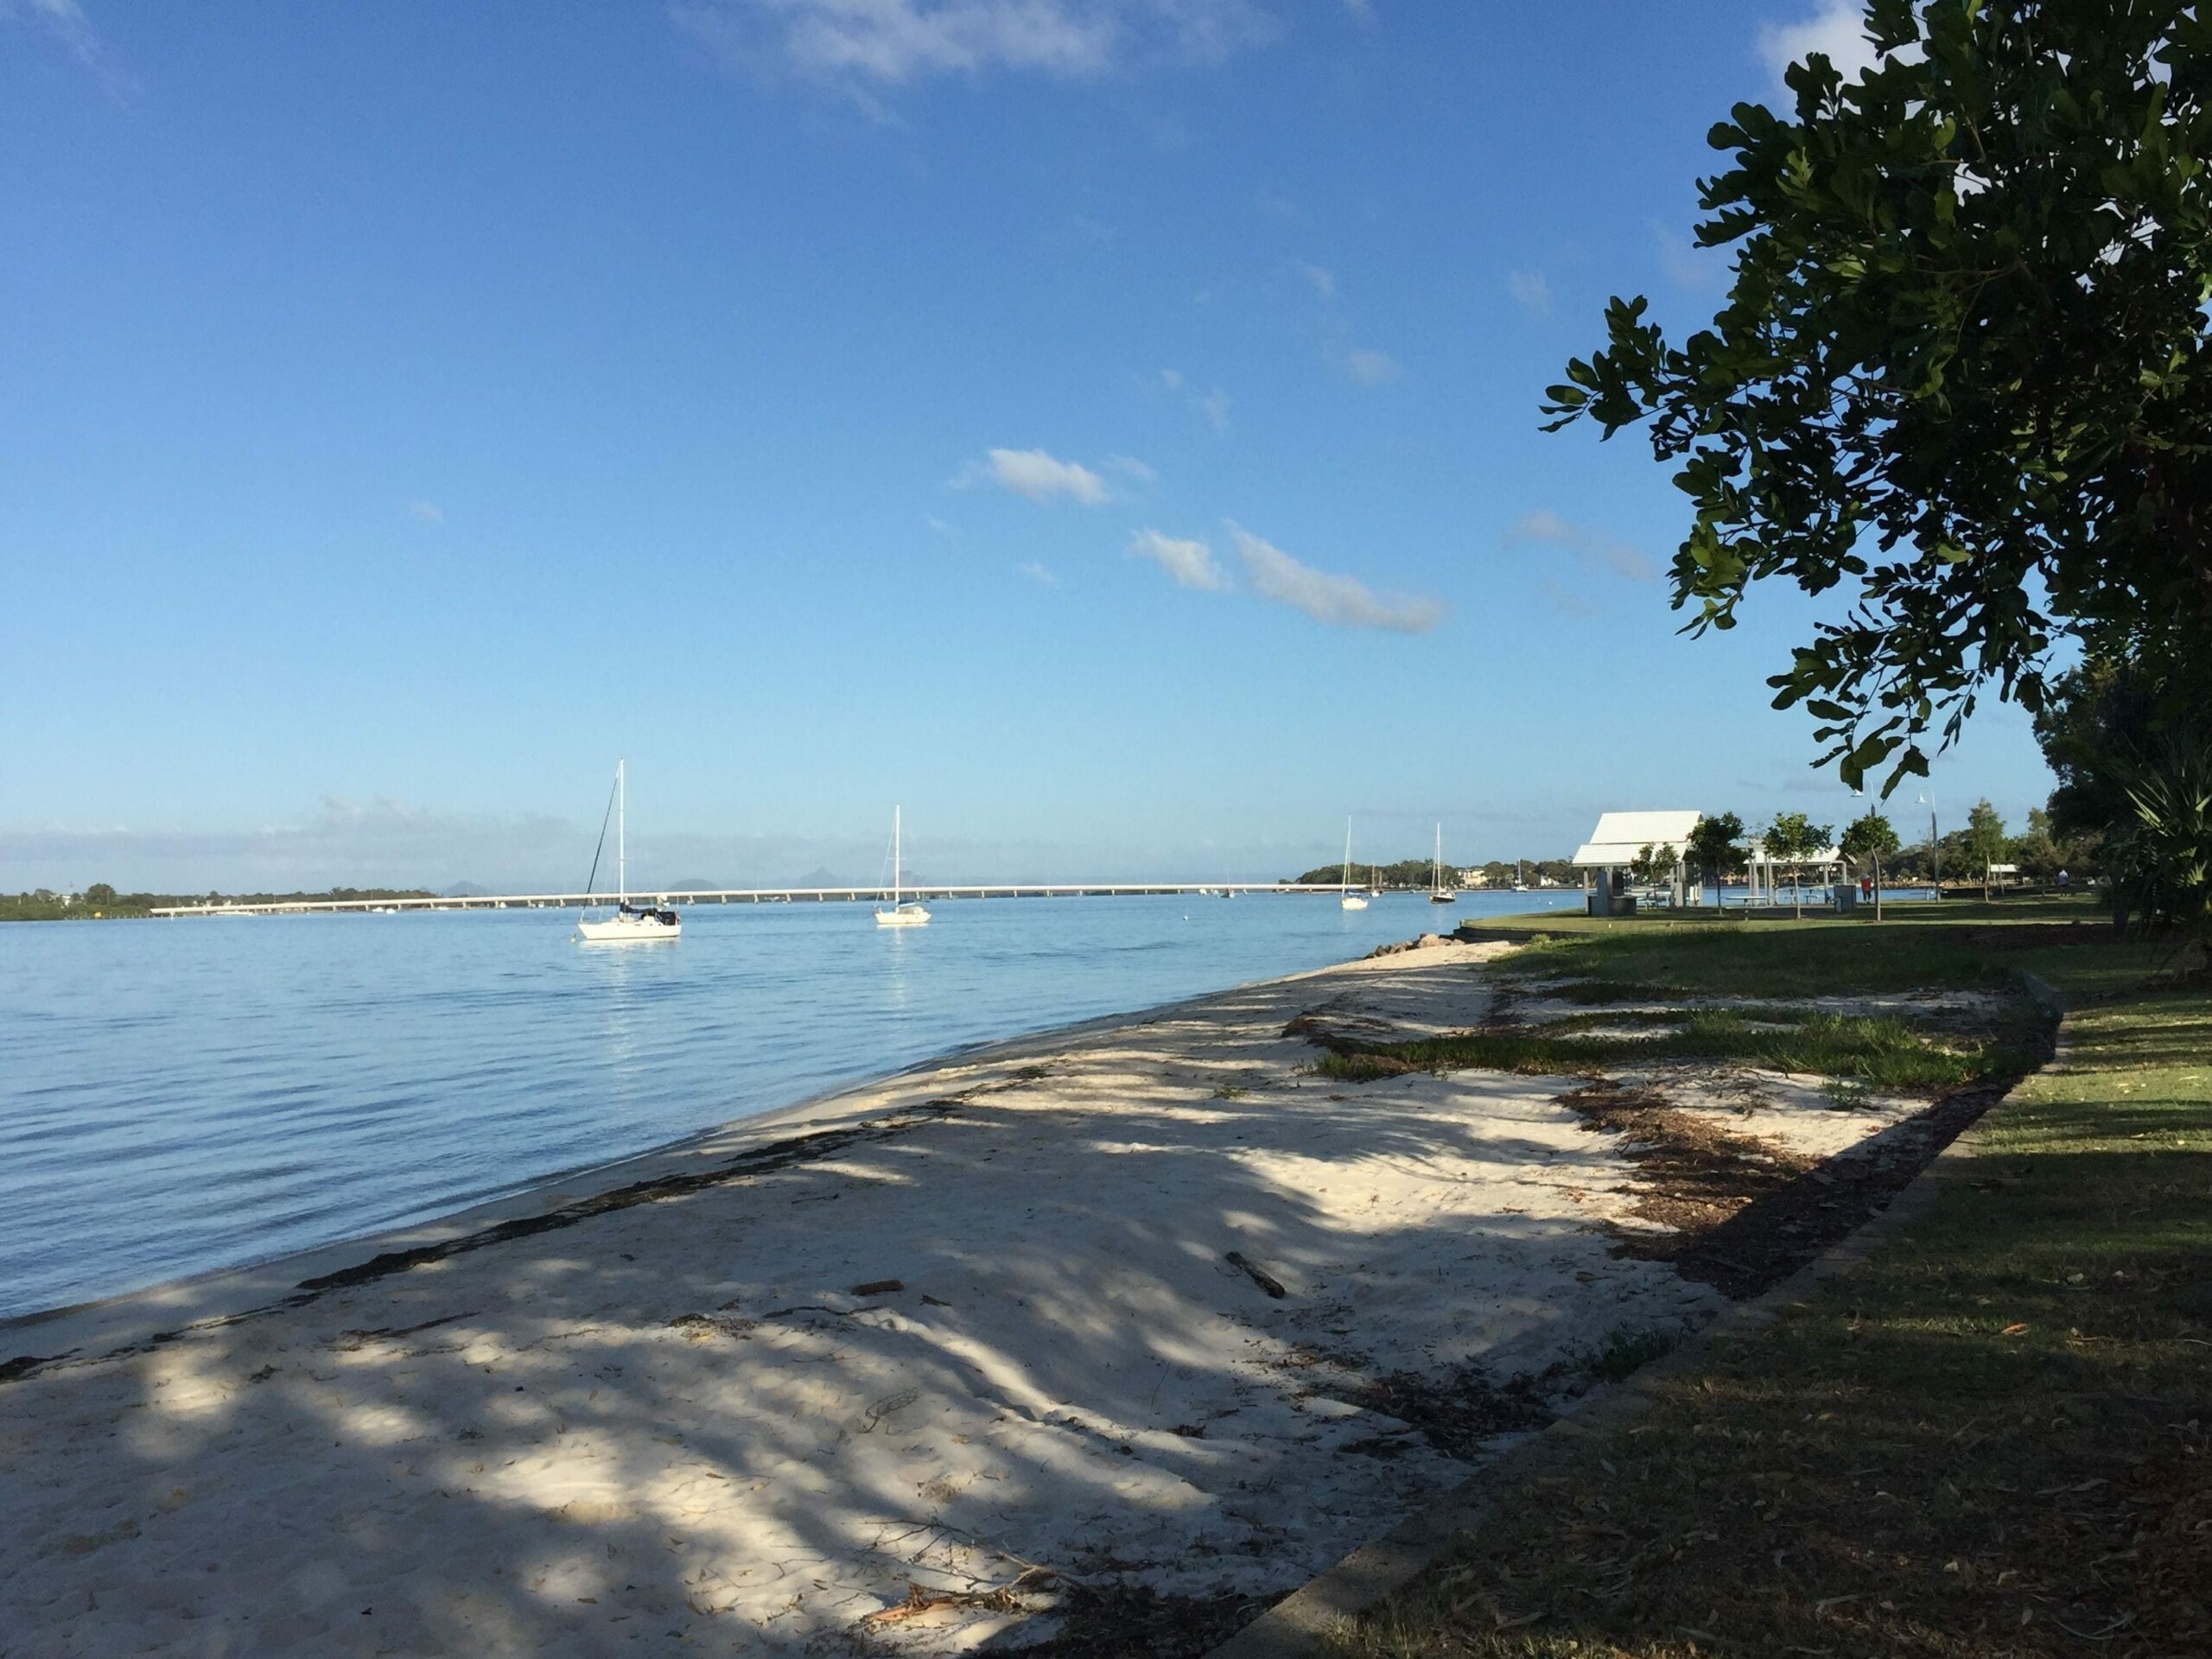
pixel 1037 573
pixel 1530 291
pixel 1323 279
pixel 1130 467
pixel 1275 205
pixel 1544 528
pixel 66 21
pixel 1038 476
pixel 1702 270
pixel 1213 404
pixel 892 42
pixel 1838 29
pixel 1362 11
pixel 1341 601
pixel 1191 563
pixel 1371 368
pixel 428 511
pixel 1567 601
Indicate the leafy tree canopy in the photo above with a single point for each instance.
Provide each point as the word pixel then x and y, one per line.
pixel 1712 846
pixel 1872 836
pixel 1962 371
pixel 1793 838
pixel 1985 833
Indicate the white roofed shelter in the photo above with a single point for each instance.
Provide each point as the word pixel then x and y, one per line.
pixel 1619 837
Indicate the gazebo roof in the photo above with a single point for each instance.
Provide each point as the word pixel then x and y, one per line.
pixel 1620 836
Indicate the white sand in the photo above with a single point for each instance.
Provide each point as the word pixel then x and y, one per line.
pixel 536 1461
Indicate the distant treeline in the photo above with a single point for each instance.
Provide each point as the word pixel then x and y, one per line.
pixel 100 902
pixel 1411 872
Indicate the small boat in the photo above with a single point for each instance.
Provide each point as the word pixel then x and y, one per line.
pixel 1437 895
pixel 1520 880
pixel 1346 897
pixel 910 914
pixel 630 924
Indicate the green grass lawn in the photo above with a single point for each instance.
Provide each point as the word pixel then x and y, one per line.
pixel 1880 1051
pixel 1995 1438
pixel 1956 945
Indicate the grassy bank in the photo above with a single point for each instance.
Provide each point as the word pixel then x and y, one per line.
pixel 1995 1438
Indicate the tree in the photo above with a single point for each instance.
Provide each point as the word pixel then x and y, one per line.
pixel 1713 848
pixel 2160 860
pixel 2037 852
pixel 1652 864
pixel 1962 367
pixel 1985 839
pixel 1793 838
pixel 1871 838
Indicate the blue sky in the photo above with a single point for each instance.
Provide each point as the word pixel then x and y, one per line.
pixel 1108 427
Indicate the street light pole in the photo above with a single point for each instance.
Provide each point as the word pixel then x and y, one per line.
pixel 1934 846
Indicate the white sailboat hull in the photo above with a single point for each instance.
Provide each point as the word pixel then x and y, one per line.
pixel 628 930
pixel 903 916
pixel 1352 901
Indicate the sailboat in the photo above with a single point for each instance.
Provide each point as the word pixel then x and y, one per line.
pixel 1436 893
pixel 630 924
pixel 1520 880
pixel 1345 896
pixel 909 914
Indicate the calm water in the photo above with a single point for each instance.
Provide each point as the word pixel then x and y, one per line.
pixel 179 1095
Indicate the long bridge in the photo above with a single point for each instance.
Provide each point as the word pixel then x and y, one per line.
pixel 739 896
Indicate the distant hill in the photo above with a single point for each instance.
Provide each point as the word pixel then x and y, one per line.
pixel 693 884
pixel 466 890
pixel 820 877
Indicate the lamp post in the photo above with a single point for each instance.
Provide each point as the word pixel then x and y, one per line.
pixel 1934 846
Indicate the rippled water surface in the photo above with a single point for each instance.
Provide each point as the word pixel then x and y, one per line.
pixel 178 1096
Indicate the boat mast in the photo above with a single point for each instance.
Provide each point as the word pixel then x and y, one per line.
pixel 621 850
pixel 1436 863
pixel 894 858
pixel 1344 877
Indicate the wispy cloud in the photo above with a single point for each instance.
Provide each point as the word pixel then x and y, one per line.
pixel 380 843
pixel 1213 402
pixel 1037 475
pixel 1838 28
pixel 1340 602
pixel 886 43
pixel 1371 368
pixel 1275 205
pixel 1323 279
pixel 1036 573
pixel 1564 599
pixel 1130 467
pixel 428 511
pixel 1530 291
pixel 1191 563
pixel 64 20
pixel 1701 271
pixel 1546 529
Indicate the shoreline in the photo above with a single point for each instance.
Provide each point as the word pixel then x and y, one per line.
pixel 584 1180
pixel 1134 1323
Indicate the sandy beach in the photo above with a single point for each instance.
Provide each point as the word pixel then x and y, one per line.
pixel 1144 1319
